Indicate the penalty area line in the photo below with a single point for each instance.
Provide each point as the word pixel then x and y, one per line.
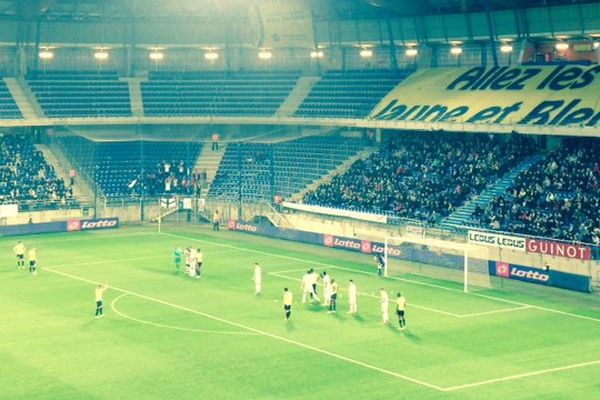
pixel 259 332
pixel 521 376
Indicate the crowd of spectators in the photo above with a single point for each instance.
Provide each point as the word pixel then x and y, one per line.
pixel 422 176
pixel 169 177
pixel 558 197
pixel 26 178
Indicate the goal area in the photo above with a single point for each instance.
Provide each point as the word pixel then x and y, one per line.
pixel 438 259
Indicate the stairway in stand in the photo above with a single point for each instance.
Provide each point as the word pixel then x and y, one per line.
pixel 81 189
pixel 209 161
pixel 462 218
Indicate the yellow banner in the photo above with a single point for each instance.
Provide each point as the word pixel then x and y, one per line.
pixel 564 95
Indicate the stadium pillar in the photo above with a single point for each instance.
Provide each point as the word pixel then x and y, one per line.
pixel 492 31
pixel 392 44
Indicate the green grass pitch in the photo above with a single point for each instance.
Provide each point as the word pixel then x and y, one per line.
pixel 166 336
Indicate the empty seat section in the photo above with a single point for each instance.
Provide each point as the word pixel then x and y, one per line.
pixel 68 94
pixel 8 107
pixel 216 93
pixel 349 94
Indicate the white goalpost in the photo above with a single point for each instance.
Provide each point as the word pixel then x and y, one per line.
pixel 439 259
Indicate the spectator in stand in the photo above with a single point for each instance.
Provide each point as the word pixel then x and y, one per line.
pixel 557 197
pixel 422 176
pixel 215 138
pixel 72 175
pixel 26 178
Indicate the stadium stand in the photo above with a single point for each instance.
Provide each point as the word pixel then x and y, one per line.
pixel 258 171
pixel 349 94
pixel 68 94
pixel 8 107
pixel 422 176
pixel 558 197
pixel 133 168
pixel 27 179
pixel 216 93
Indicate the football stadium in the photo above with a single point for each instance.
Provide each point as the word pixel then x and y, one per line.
pixel 299 199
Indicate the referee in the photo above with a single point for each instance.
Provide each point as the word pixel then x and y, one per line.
pixel 100 289
pixel 400 309
pixel 288 299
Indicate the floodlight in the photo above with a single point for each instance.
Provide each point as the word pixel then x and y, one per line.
pixel 366 53
pixel 156 55
pixel 561 46
pixel 596 45
pixel 265 55
pixel 317 54
pixel 506 48
pixel 410 52
pixel 46 55
pixel 456 51
pixel 211 55
pixel 101 55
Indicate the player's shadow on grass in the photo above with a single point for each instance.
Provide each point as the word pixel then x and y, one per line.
pixel 358 318
pixel 289 326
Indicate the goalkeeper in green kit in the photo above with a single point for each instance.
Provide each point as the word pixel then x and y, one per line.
pixel 177 254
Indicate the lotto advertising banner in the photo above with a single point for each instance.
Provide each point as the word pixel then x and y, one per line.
pixel 338 242
pixel 74 225
pixel 564 95
pixel 541 277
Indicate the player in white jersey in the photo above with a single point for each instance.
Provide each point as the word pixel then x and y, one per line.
pixel 385 305
pixel 352 292
pixel 314 279
pixel 307 287
pixel 326 287
pixel 192 262
pixel 257 278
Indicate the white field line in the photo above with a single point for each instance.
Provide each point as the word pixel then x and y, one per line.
pixel 113 305
pixel 493 312
pixel 395 278
pixel 521 376
pixel 126 260
pixel 95 236
pixel 279 275
pixel 259 332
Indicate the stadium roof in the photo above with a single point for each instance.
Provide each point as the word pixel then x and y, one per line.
pixel 325 9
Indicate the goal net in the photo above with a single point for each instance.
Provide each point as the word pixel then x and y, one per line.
pixel 166 206
pixel 439 259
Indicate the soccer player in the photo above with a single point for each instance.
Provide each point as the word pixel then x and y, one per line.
pixel 19 251
pixel 198 263
pixel 326 288
pixel 379 260
pixel 177 253
pixel 352 297
pixel 288 299
pixel 385 304
pixel 257 278
pixel 314 278
pixel 333 299
pixel 400 308
pixel 31 254
pixel 100 289
pixel 187 253
pixel 191 270
pixel 307 287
